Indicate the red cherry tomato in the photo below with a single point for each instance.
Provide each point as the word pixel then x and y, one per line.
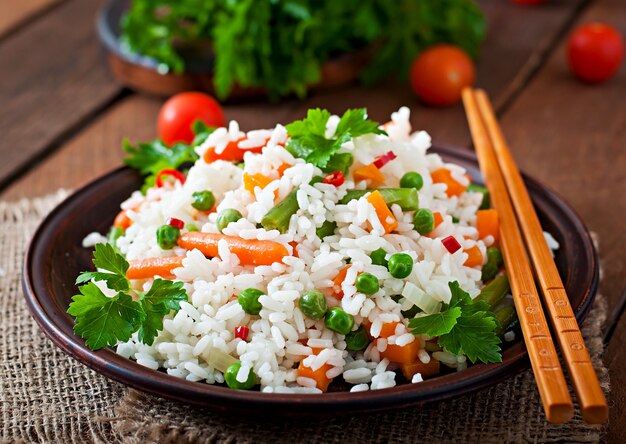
pixel 595 52
pixel 182 110
pixel 440 73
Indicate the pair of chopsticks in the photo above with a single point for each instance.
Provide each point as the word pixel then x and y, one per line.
pixel 510 197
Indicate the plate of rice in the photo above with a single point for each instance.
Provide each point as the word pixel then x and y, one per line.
pixel 329 265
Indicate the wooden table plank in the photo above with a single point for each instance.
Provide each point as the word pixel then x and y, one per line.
pixel 571 136
pixel 15 12
pixel 517 40
pixel 52 81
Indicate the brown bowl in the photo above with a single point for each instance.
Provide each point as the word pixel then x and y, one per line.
pixel 55 257
pixel 141 73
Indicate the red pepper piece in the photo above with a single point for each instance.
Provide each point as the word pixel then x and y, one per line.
pixel 383 160
pixel 335 178
pixel 177 223
pixel 242 332
pixel 169 172
pixel 451 244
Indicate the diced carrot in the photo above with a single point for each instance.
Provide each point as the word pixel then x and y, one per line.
pixel 319 376
pixel 488 224
pixel 474 257
pixel 368 172
pixel 282 168
pixel 401 355
pixel 122 220
pixel 294 244
pixel 231 153
pixel 341 276
pixel 438 220
pixel 385 216
pixel 249 251
pixel 388 329
pixel 443 175
pixel 409 369
pixel 155 266
pixel 250 181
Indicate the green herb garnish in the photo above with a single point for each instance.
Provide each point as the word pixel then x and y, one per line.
pixel 104 321
pixel 463 327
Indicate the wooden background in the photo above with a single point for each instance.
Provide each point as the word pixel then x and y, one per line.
pixel 62 118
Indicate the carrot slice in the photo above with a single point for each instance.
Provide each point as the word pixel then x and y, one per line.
pixel 319 376
pixel 444 175
pixel 122 220
pixel 368 172
pixel 249 251
pixel 388 329
pixel 231 153
pixel 488 224
pixel 401 355
pixel 474 257
pixel 250 181
pixel 409 369
pixel 383 212
pixel 148 268
pixel 341 276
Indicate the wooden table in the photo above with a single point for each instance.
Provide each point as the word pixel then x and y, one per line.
pixel 62 118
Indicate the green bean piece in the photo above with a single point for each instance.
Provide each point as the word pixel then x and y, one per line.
pixel 167 236
pixel 339 162
pixel 407 198
pixel 114 234
pixel 230 377
pixel 491 267
pixel 494 292
pixel 227 216
pixel 505 317
pixel 367 283
pixel 327 229
pixel 455 220
pixel 486 202
pixel 203 200
pixel 378 257
pixel 278 217
pixel 400 265
pixel 338 321
pixel 249 301
pixel 313 304
pixel 412 180
pixel 423 221
pixel 357 340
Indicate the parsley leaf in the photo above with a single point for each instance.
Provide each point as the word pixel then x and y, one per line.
pixel 463 326
pixel 308 136
pixel 106 258
pixel 104 321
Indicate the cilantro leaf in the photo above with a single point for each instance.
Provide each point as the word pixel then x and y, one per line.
pixel 162 297
pixel 106 258
pixel 436 324
pixel 104 321
pixel 308 136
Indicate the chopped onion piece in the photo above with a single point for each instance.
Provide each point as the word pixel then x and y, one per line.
pixel 220 360
pixel 419 298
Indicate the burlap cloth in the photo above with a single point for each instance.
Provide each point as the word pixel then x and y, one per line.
pixel 47 397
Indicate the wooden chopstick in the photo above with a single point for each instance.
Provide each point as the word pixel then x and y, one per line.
pixel 590 397
pixel 555 396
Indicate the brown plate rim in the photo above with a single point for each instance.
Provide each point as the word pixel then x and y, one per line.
pixel 54 322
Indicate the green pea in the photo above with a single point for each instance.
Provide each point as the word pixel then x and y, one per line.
pixel 167 236
pixel 192 227
pixel 423 221
pixel 227 216
pixel 339 321
pixel 230 376
pixel 412 180
pixel 357 340
pixel 400 265
pixel 367 283
pixel 313 304
pixel 378 257
pixel 249 300
pixel 203 200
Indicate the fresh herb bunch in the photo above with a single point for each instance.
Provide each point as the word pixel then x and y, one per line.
pixel 104 321
pixel 463 326
pixel 280 45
